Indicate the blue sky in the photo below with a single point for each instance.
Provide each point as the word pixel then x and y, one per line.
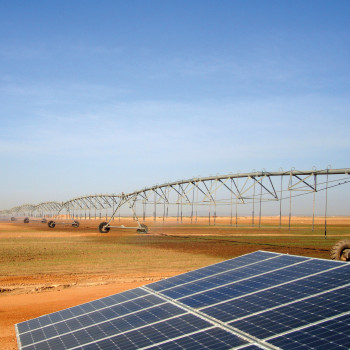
pixel 112 96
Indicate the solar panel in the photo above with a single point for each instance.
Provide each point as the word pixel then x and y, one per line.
pixel 259 300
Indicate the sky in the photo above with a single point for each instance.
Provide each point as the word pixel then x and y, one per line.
pixel 112 96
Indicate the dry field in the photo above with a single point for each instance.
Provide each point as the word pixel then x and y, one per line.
pixel 43 270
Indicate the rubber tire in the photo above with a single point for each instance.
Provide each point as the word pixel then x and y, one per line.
pixel 143 229
pixel 26 220
pixel 75 223
pixel 338 249
pixel 44 221
pixel 51 224
pixel 102 228
pixel 13 218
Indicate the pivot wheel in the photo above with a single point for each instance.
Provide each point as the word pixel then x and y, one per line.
pixel 341 250
pixel 13 218
pixel 143 229
pixel 75 223
pixel 44 221
pixel 51 224
pixel 103 227
pixel 26 220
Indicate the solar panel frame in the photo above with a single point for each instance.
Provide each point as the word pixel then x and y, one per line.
pixel 79 309
pixel 111 327
pixel 275 276
pixel 98 316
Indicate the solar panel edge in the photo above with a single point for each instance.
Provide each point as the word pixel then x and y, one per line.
pixel 151 292
pixel 302 256
pixel 272 253
pixel 101 323
pixel 19 344
pixel 17 324
pixel 109 337
pixel 251 339
pixel 97 310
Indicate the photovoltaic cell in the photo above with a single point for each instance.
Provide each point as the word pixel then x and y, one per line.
pixel 89 319
pixel 237 274
pixel 211 270
pixel 153 334
pixel 79 310
pixel 259 300
pixel 109 328
pixel 275 296
pixel 215 338
pixel 330 334
pixel 297 314
pixel 245 286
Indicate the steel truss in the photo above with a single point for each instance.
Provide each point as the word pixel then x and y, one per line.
pixel 195 194
pixel 31 212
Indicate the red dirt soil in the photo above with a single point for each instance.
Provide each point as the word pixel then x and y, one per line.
pixel 27 304
pixel 19 308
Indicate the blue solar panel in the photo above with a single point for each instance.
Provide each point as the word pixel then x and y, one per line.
pixel 79 310
pixel 275 296
pixel 211 270
pixel 215 338
pixel 246 286
pixel 153 334
pixel 261 299
pixel 106 329
pixel 239 273
pixel 95 317
pixel 330 334
pixel 297 314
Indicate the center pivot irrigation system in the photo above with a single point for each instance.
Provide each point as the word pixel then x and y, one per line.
pixel 76 205
pixel 201 196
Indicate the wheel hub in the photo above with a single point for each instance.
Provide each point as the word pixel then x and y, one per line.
pixel 345 256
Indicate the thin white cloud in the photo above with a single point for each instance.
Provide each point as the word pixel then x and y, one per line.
pixel 50 51
pixel 166 132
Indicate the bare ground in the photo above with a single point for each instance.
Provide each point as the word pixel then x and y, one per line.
pixel 43 270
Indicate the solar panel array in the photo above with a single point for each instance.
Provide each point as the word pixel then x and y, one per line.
pixel 259 300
